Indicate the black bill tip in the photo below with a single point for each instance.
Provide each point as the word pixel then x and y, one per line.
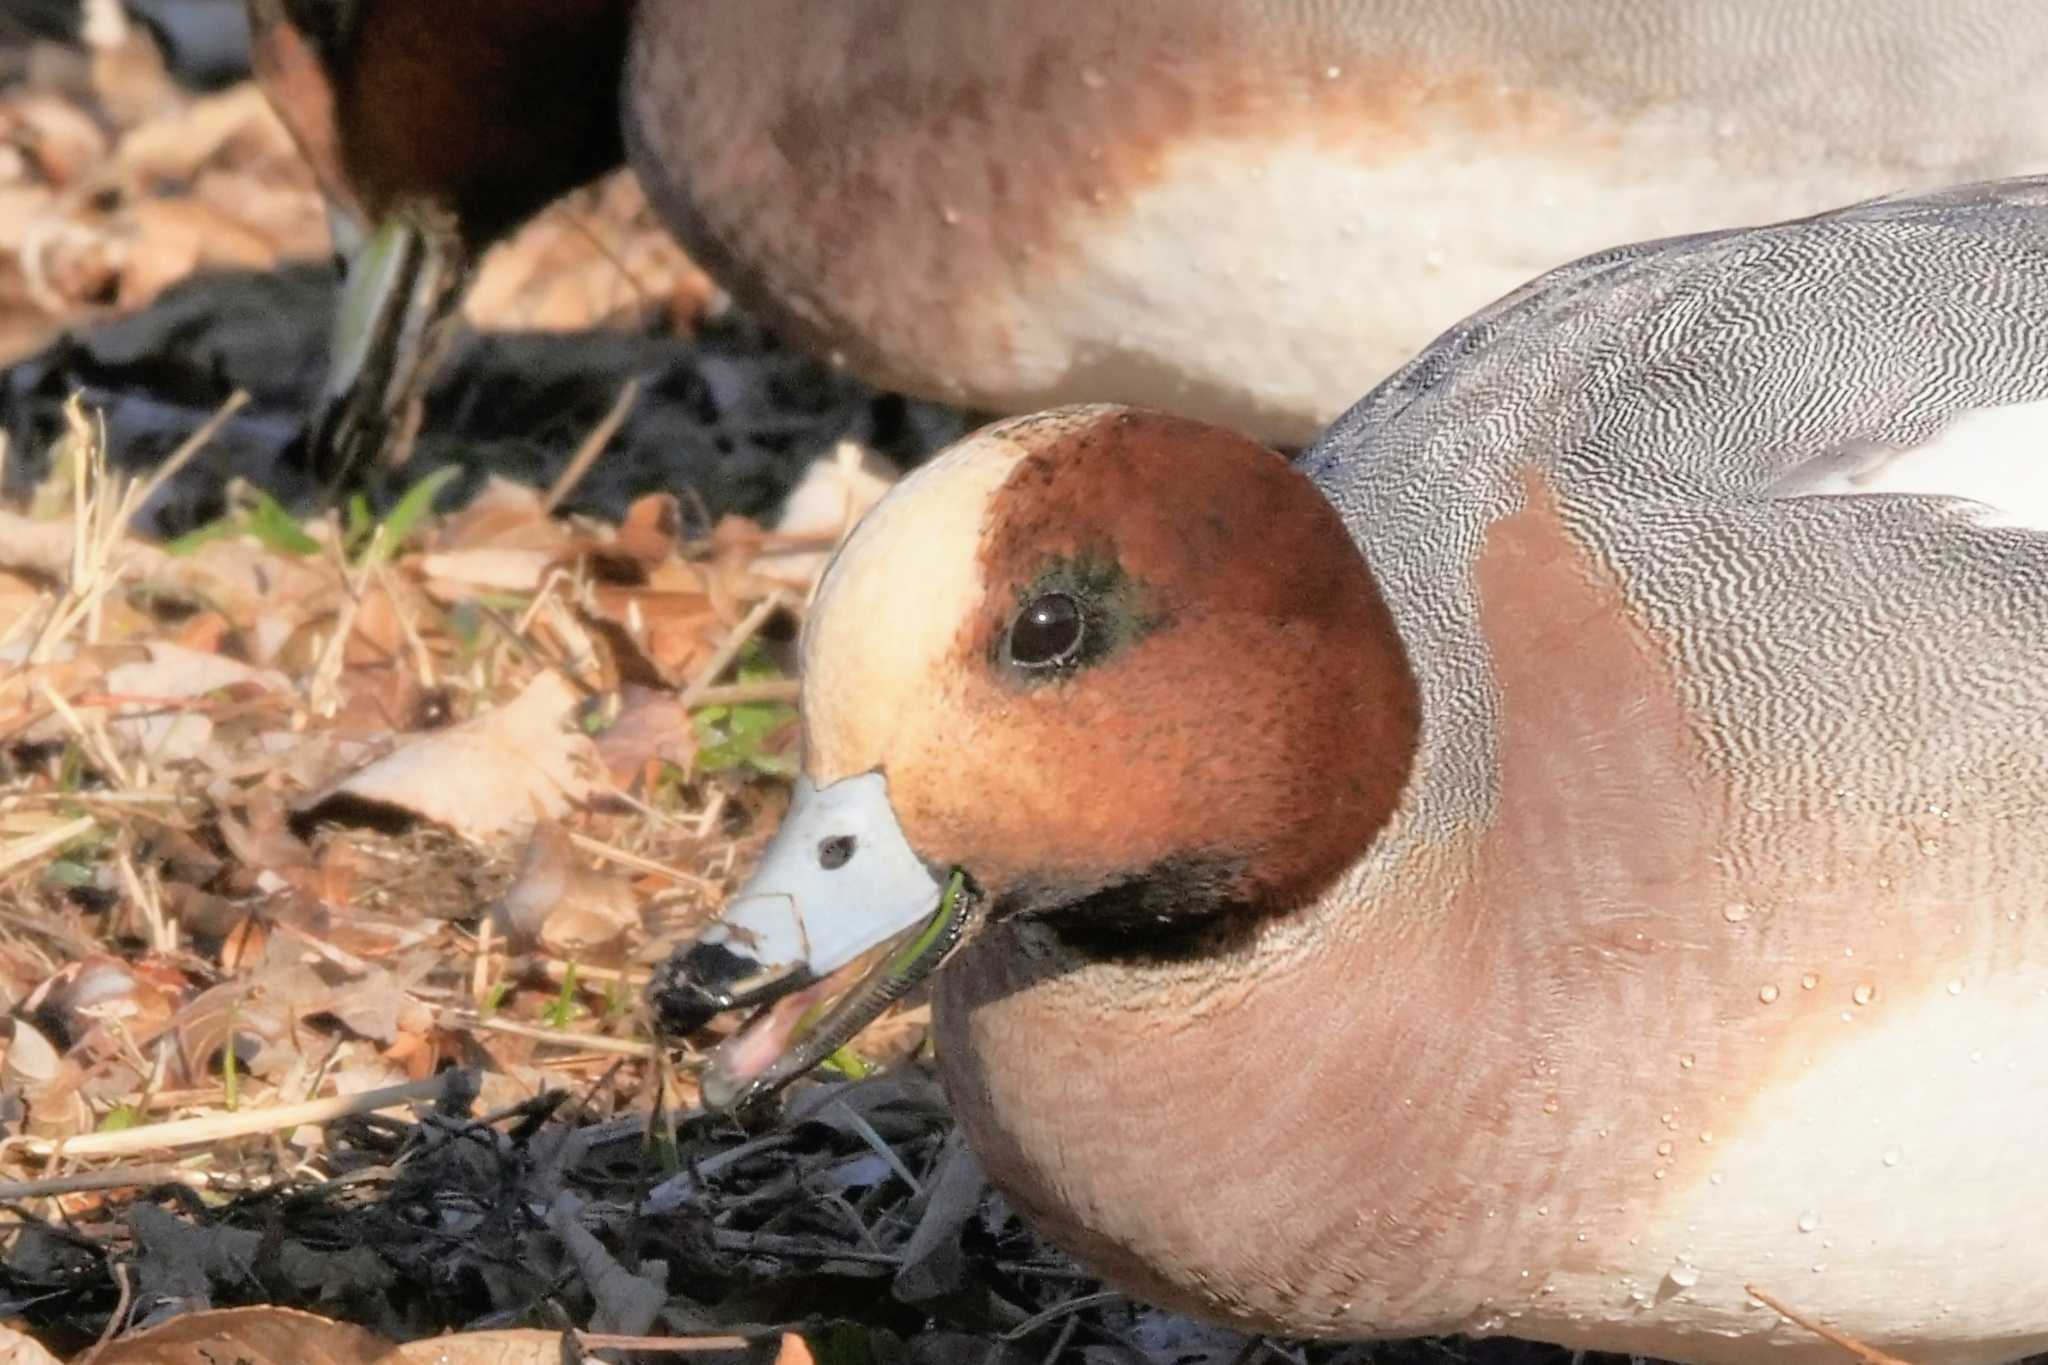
pixel 698 984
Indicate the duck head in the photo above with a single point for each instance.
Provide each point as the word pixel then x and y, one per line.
pixel 1119 672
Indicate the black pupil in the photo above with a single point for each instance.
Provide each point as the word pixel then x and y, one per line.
pixel 1048 631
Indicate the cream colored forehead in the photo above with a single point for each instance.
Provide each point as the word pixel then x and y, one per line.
pixel 879 638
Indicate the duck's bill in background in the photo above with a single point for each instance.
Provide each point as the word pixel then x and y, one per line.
pixel 396 315
pixel 838 881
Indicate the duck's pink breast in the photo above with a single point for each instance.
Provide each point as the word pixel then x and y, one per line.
pixel 1587 1070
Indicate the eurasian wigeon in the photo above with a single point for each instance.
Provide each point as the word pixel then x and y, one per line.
pixel 434 128
pixel 1247 213
pixel 1566 858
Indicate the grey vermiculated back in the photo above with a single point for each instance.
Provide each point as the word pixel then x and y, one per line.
pixel 1867 652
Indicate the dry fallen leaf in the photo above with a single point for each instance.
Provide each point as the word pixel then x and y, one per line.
pixel 666 635
pixel 136 998
pixel 174 148
pixel 833 494
pixel 168 239
pixel 48 547
pixel 652 530
pixel 516 1346
pixel 47 1082
pixel 58 139
pixel 245 581
pixel 531 1346
pixel 505 515
pixel 570 909
pixel 246 1336
pixel 652 727
pixel 147 690
pixel 172 670
pixel 599 256
pixel 490 776
pixel 16 1349
pixel 455 574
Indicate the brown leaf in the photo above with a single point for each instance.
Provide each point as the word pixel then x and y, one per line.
pixel 652 529
pixel 834 493
pixel 16 1349
pixel 47 1082
pixel 262 1011
pixel 267 594
pixel 598 257
pixel 533 1346
pixel 208 631
pixel 22 688
pixel 248 1336
pixel 490 776
pixel 556 900
pixel 506 516
pixel 171 670
pixel 653 726
pixel 19 595
pixel 514 1346
pixel 173 237
pixel 417 1054
pixel 262 840
pixel 454 574
pixel 671 632
pixel 128 71
pixel 46 547
pixel 377 700
pixel 244 944
pixel 60 140
pixel 175 147
pixel 286 216
pixel 377 634
pixel 137 998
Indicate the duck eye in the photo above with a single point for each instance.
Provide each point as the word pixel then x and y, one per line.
pixel 1047 633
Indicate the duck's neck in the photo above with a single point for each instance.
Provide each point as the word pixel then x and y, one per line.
pixel 1182 1125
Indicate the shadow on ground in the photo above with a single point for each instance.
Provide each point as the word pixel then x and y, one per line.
pixel 726 420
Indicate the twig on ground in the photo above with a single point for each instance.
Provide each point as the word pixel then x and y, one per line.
pixel 106 1178
pixel 241 1123
pixel 729 649
pixel 601 1341
pixel 589 1042
pixel 612 853
pixel 593 445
